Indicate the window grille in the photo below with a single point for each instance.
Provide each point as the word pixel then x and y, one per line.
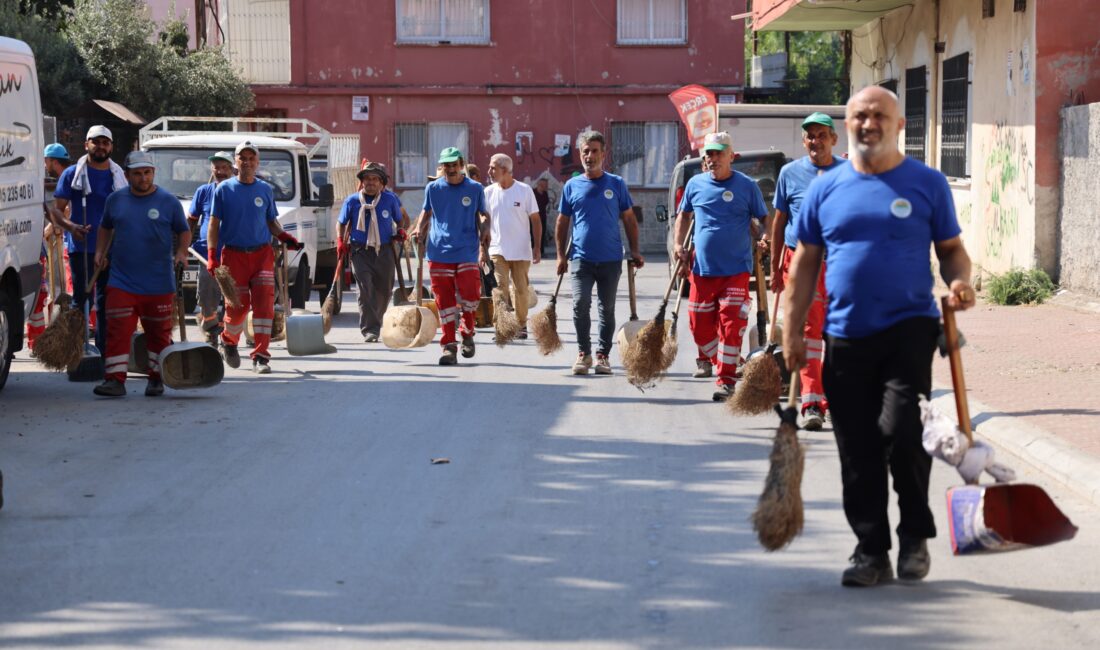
pixel 460 22
pixel 1019 5
pixel 258 39
pixel 417 147
pixel 956 90
pixel 916 112
pixel 652 22
pixel 988 8
pixel 644 153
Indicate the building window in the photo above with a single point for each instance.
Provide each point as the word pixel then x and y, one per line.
pixel 956 124
pixel 652 22
pixel 916 112
pixel 417 147
pixel 1019 5
pixel 644 153
pixel 459 22
pixel 889 84
pixel 988 8
pixel 258 39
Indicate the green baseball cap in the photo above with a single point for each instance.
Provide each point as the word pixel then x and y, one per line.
pixel 449 155
pixel 818 118
pixel 222 155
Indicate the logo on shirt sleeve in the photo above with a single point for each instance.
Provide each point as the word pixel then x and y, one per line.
pixel 466 201
pixel 901 208
pixel 727 196
pixel 153 213
pixel 258 201
pixel 608 194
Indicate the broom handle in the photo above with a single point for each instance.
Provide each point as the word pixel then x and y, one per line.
pixel 339 271
pixel 795 390
pixel 775 318
pixel 95 276
pixel 195 254
pixel 554 298
pixel 419 276
pixel 958 382
pixel 179 302
pixel 286 278
pixel 761 295
pixel 400 273
pixel 679 263
pixel 630 270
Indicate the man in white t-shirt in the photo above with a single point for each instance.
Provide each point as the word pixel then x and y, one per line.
pixel 515 223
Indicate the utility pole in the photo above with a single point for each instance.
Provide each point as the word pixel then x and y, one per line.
pixel 200 24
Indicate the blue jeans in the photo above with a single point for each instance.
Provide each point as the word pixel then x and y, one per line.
pixel 605 275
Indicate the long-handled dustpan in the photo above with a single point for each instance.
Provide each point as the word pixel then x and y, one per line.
pixel 92 366
pixel 305 331
pixel 403 296
pixel 411 326
pixel 630 328
pixel 188 364
pixel 1003 516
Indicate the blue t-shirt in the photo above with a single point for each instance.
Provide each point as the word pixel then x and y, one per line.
pixel 453 237
pixel 723 211
pixel 387 209
pixel 200 205
pixel 595 206
pixel 790 189
pixel 141 251
pixel 877 230
pixel 243 210
pixel 102 183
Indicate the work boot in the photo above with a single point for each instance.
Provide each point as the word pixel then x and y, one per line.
pixel 703 369
pixel 722 393
pixel 212 338
pixel 522 334
pixel 582 364
pixel 913 559
pixel 812 418
pixel 603 364
pixel 110 388
pixel 260 366
pixel 370 337
pixel 450 356
pixel 155 388
pixel 867 570
pixel 468 347
pixel 231 356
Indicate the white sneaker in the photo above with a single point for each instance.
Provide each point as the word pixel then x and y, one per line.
pixel 582 364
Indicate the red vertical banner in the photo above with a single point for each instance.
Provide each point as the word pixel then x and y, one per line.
pixel 698 111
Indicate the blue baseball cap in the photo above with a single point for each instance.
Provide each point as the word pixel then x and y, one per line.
pixel 56 150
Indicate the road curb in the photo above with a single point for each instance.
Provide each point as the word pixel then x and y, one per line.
pixel 1076 470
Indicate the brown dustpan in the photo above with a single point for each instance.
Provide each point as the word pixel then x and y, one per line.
pixel 1003 516
pixel 630 328
pixel 412 326
pixel 403 296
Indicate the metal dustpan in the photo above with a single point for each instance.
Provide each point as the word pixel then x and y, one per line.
pixel 185 364
pixel 92 366
pixel 410 326
pixel 1003 516
pixel 629 331
pixel 305 331
pixel 138 363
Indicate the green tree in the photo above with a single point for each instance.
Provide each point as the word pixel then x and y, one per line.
pixel 63 81
pixel 49 9
pixel 815 66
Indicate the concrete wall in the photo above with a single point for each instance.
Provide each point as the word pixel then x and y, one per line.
pixel 1079 236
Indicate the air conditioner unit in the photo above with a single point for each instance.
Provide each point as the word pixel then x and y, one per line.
pixel 768 71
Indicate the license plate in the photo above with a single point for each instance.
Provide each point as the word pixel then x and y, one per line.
pixel 191 275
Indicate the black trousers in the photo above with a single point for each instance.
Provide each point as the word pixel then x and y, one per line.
pixel 873 385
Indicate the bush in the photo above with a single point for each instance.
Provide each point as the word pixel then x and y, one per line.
pixel 1019 287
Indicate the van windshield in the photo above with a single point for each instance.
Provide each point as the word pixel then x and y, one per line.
pixel 182 171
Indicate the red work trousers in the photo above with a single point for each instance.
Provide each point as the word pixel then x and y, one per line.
pixel 36 324
pixel 813 390
pixel 254 275
pixel 457 289
pixel 718 309
pixel 123 311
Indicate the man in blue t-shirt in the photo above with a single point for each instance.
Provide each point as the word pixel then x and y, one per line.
pixel 140 223
pixel 454 223
pixel 221 169
pixel 819 138
pixel 84 188
pixel 594 204
pixel 876 220
pixel 369 221
pixel 243 217
pixel 719 206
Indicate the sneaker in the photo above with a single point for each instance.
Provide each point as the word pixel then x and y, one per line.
pixel 603 364
pixel 812 418
pixel 582 364
pixel 370 337
pixel 110 388
pixel 231 356
pixel 212 338
pixel 703 369
pixel 155 388
pixel 722 393
pixel 450 356
pixel 260 366
pixel 522 336
pixel 913 559
pixel 867 570
pixel 468 347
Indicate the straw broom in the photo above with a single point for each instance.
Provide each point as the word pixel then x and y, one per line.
pixel 644 358
pixel 778 517
pixel 671 347
pixel 225 281
pixel 61 345
pixel 329 307
pixel 761 383
pixel 544 325
pixel 505 324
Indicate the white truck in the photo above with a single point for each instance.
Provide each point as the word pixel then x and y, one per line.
pixel 22 177
pixel 776 127
pixel 294 155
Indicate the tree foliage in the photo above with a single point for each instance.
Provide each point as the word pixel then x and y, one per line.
pixel 63 80
pixel 815 66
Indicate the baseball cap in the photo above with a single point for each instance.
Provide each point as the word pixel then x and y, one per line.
pixel 717 141
pixel 99 131
pixel 56 150
pixel 138 159
pixel 449 155
pixel 818 118
pixel 222 155
pixel 247 144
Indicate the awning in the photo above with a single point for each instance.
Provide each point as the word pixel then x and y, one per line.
pixel 818 15
pixel 120 111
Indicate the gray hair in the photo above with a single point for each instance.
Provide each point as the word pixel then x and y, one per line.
pixel 591 136
pixel 502 159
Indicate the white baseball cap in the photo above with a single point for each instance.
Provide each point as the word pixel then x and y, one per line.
pixel 99 131
pixel 247 144
pixel 717 141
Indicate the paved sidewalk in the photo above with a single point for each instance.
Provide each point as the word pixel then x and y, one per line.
pixel 1033 379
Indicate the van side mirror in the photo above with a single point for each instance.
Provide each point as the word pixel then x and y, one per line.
pixel 662 213
pixel 325 197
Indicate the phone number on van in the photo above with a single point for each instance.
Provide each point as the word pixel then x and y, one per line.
pixel 20 192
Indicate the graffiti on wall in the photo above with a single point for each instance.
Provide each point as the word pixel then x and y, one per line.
pixel 1009 185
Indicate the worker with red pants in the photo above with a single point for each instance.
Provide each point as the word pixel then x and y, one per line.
pixel 451 224
pixel 243 217
pixel 143 219
pixel 818 138
pixel 720 205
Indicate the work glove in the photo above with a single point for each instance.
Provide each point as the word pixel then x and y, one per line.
pixel 401 235
pixel 341 248
pixel 212 260
pixel 291 243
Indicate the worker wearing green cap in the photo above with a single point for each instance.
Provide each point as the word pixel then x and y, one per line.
pixel 198 217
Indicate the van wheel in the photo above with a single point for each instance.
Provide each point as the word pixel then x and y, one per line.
pixel 7 349
pixel 299 290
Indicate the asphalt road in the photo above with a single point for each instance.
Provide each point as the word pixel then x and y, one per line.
pixel 302 510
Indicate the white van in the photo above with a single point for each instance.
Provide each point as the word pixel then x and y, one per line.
pixel 21 186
